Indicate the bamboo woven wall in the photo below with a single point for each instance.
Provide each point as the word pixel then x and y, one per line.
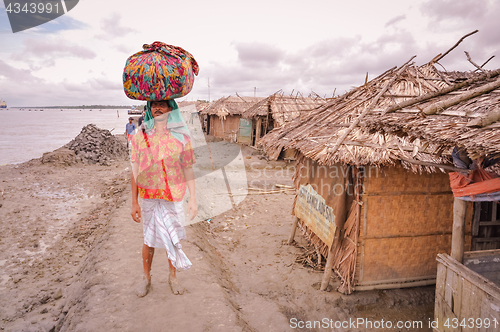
pixel 406 220
pixel 225 128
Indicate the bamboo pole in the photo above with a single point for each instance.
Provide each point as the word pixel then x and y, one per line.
pixel 426 163
pixel 458 233
pixel 369 108
pixel 294 228
pixel 474 64
pixel 441 92
pixel 491 117
pixel 439 57
pixel 441 105
pixel 329 260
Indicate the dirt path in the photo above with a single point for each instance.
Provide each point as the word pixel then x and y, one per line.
pixel 86 270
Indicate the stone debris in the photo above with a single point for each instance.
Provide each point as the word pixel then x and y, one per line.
pixel 97 146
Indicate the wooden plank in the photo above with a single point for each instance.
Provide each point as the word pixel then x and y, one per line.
pixel 491 239
pixel 490 308
pixel 456 283
pixel 448 287
pixel 444 312
pixel 482 253
pixel 478 280
pixel 474 304
pixel 468 295
pixel 494 211
pixel 475 224
pixel 490 223
pixel 440 280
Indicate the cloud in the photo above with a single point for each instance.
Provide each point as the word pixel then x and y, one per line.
pixel 21 88
pixel 111 27
pixel 336 63
pixel 53 48
pixel 456 11
pixel 395 20
pixel 258 54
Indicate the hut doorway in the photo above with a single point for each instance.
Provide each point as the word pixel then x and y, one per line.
pixel 245 132
pixel 486 226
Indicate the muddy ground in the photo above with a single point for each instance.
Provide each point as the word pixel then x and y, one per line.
pixel 70 261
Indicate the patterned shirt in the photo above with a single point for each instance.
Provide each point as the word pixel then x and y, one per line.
pixel 160 158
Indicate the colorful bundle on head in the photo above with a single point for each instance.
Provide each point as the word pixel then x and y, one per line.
pixel 159 72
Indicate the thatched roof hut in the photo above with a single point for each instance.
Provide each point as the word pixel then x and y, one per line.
pixel 278 109
pixel 405 123
pixel 223 118
pixel 282 108
pixel 231 105
pixel 315 133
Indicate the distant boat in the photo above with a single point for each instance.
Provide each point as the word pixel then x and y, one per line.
pixel 3 104
pixel 134 111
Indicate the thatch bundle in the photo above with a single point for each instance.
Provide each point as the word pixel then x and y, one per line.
pixel 283 108
pixel 420 135
pixel 231 105
pixel 412 115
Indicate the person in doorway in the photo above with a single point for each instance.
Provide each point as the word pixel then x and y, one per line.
pixel 129 130
pixel 162 158
pixel 141 118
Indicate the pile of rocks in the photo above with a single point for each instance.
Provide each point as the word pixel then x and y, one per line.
pixel 97 146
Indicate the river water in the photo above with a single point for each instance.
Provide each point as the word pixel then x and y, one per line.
pixel 26 134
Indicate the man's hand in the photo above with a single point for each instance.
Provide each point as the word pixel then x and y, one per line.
pixel 136 212
pixel 192 209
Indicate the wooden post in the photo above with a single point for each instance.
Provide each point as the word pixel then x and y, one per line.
pixel 329 261
pixel 458 232
pixel 257 130
pixel 294 228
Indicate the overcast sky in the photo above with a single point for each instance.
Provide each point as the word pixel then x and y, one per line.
pixel 317 45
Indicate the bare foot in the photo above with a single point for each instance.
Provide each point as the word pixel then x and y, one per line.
pixel 144 287
pixel 176 288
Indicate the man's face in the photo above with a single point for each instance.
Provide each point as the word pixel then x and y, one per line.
pixel 160 110
pixel 129 120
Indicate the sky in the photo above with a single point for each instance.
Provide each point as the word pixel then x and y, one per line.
pixel 245 47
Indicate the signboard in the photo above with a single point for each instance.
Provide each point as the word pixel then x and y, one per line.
pixel 311 208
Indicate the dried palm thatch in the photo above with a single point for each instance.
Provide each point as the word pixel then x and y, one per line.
pixel 413 115
pixel 465 117
pixel 311 257
pixel 231 105
pixel 366 127
pixel 283 108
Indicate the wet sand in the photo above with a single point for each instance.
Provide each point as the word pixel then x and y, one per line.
pixel 70 261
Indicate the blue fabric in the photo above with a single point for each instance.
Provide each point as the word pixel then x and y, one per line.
pixel 491 197
pixel 130 127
